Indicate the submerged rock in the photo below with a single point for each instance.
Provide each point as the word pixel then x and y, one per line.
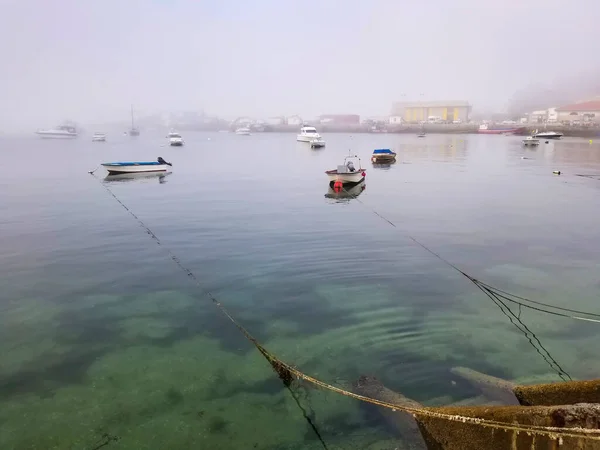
pixel 401 422
pixel 495 389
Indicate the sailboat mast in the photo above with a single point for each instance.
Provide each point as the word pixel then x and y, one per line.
pixel 132 116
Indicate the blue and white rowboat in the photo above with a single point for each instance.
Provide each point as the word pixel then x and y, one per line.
pixel 114 168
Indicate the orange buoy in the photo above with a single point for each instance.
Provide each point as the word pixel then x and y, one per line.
pixel 338 185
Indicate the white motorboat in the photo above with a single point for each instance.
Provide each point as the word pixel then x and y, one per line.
pixel 347 174
pixel 531 141
pixel 115 168
pixel 317 143
pixel 60 132
pixel 99 137
pixel 548 135
pixel 244 131
pixel 175 139
pixel 307 134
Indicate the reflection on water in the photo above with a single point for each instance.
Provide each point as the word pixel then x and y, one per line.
pixel 439 148
pixel 127 177
pixel 345 195
pixel 383 166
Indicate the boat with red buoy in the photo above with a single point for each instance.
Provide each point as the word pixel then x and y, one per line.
pixel 347 175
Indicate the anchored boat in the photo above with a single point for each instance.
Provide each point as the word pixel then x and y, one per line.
pixel 99 137
pixel 175 139
pixel 114 168
pixel 317 143
pixel 307 134
pixel 531 141
pixel 60 132
pixel 548 135
pixel 347 174
pixel 383 156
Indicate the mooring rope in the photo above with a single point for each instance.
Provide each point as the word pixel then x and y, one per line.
pixel 495 295
pixel 521 301
pixel 288 373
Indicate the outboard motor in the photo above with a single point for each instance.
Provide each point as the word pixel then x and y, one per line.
pixel 162 161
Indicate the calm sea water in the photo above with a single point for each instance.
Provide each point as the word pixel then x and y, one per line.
pixel 105 341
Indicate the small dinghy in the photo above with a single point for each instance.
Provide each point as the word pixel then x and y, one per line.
pixel 347 174
pixel 175 139
pixel 530 141
pixel 115 168
pixel 317 143
pixel 383 156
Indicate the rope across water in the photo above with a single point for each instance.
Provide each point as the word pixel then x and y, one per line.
pixel 288 373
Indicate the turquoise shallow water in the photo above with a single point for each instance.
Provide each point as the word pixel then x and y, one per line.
pixel 102 335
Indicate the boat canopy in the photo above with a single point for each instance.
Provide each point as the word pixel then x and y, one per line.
pixel 309 129
pixel 383 151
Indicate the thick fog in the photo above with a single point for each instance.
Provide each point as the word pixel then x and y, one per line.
pixel 89 60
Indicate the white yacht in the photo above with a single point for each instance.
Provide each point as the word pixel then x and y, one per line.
pixel 60 132
pixel 308 134
pixel 175 139
pixel 245 131
pixel 548 135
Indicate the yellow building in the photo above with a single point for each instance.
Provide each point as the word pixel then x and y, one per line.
pixel 432 111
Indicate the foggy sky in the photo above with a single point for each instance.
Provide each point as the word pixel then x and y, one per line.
pixel 88 60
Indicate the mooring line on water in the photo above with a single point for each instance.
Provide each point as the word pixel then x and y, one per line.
pixel 493 294
pixel 288 373
pixel 195 279
pixel 500 292
pixel 544 353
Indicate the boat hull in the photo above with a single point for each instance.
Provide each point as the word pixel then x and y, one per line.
pixel 499 131
pixel 53 135
pixel 548 136
pixel 116 170
pixel 307 137
pixel 347 179
pixel 383 159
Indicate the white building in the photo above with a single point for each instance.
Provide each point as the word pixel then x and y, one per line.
pixel 552 116
pixel 275 120
pixel 396 120
pixel 295 120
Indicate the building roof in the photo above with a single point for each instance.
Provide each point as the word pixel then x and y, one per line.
pixel 584 107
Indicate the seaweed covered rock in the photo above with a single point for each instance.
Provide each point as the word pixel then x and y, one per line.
pixel 493 388
pixel 563 393
pixel 401 422
pixel 444 434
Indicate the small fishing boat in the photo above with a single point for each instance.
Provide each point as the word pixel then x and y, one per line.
pixel 531 141
pixel 317 143
pixel 175 139
pixel 421 134
pixel 383 156
pixel 114 168
pixel 99 137
pixel 347 174
pixel 244 131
